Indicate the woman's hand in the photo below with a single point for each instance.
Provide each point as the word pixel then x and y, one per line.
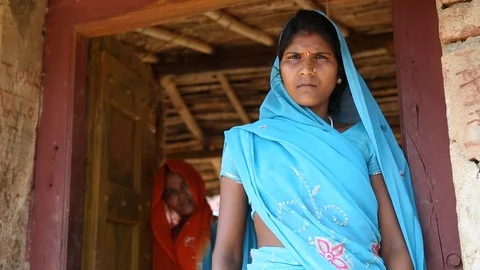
pixel 393 251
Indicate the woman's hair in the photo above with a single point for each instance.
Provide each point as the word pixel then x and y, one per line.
pixel 306 21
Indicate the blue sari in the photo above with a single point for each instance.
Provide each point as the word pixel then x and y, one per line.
pixel 310 185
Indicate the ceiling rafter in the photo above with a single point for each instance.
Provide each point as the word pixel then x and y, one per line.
pixel 195 156
pixel 237 105
pixel 311 5
pixel 147 57
pixel 176 38
pixel 182 108
pixel 217 165
pixel 228 21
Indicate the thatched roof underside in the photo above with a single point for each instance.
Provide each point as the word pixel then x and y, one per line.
pixel 218 77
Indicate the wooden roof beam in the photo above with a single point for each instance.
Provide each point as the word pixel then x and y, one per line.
pixel 364 44
pixel 182 108
pixel 239 27
pixel 231 57
pixel 175 38
pixel 147 57
pixel 195 156
pixel 311 5
pixel 237 105
pixel 217 164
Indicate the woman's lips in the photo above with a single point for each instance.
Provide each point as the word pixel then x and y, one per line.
pixel 186 203
pixel 307 85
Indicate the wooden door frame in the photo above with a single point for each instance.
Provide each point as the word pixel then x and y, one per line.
pixel 425 137
pixel 56 222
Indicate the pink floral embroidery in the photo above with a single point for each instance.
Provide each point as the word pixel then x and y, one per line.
pixel 333 253
pixel 376 249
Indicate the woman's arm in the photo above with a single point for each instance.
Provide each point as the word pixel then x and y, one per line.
pixel 231 225
pixel 393 248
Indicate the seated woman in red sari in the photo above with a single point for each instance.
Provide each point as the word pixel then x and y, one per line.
pixel 182 241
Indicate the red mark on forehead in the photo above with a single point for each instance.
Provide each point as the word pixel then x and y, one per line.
pixel 309 33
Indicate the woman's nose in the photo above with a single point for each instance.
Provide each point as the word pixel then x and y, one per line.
pixel 308 67
pixel 183 194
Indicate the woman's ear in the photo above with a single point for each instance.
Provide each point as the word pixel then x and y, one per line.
pixel 341 73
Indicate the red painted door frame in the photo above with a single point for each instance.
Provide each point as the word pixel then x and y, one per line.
pixel 56 223
pixel 424 128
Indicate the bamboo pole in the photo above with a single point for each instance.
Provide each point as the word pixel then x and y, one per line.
pixel 211 185
pixel 239 27
pixel 188 42
pixel 237 105
pixel 217 165
pixel 147 58
pixel 309 4
pixel 181 107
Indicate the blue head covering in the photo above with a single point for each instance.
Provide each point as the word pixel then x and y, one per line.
pixel 311 187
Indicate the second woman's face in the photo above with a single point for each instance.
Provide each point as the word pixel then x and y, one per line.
pixel 177 195
pixel 309 70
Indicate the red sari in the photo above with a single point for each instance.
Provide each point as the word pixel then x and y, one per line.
pixel 187 250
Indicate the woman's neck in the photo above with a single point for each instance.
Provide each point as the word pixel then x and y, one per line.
pixel 322 112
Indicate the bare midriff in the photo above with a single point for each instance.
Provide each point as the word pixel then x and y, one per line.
pixel 265 237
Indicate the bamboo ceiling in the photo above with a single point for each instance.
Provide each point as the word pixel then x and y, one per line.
pixel 215 68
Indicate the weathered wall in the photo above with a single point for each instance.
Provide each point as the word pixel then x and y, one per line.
pixel 21 50
pixel 460 35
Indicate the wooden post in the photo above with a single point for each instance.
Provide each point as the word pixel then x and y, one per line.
pixel 424 129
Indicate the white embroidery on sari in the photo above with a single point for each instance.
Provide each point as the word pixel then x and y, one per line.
pixel 189 241
pixel 310 193
pixel 284 206
pixel 332 207
pixel 303 228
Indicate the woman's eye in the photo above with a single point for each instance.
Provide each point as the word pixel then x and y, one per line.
pixel 169 194
pixel 320 56
pixel 294 56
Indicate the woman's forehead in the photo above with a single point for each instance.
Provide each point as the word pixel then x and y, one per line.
pixel 313 42
pixel 173 179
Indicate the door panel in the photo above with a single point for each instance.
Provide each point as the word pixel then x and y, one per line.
pixel 122 158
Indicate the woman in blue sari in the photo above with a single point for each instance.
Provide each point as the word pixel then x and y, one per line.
pixel 320 174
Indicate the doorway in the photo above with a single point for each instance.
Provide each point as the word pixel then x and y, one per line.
pixel 212 94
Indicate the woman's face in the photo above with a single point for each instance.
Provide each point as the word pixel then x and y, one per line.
pixel 309 70
pixel 177 195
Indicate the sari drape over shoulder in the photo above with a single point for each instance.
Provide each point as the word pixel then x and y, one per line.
pixel 310 184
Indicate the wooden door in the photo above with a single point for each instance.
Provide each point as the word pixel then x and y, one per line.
pixel 122 158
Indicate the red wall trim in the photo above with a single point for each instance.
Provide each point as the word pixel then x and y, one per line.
pixel 424 128
pixel 49 226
